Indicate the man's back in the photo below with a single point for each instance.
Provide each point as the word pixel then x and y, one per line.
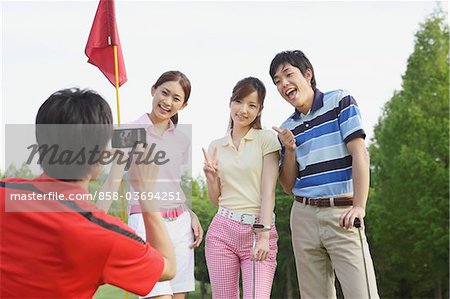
pixel 70 252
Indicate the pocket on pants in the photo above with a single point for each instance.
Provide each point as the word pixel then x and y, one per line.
pixel 213 229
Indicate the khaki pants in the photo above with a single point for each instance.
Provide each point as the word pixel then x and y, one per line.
pixel 321 247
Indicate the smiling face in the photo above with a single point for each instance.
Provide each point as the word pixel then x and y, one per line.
pixel 294 87
pixel 244 111
pixel 168 99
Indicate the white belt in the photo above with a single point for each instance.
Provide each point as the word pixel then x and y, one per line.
pixel 243 218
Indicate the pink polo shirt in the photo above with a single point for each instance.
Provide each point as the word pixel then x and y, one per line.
pixel 167 191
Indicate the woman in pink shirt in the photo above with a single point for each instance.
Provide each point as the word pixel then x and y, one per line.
pixel 170 95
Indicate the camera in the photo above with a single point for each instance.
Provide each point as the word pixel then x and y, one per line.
pixel 127 138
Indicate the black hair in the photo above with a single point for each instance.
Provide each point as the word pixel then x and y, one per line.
pixel 74 106
pixel 179 77
pixel 245 87
pixel 295 58
pixel 72 120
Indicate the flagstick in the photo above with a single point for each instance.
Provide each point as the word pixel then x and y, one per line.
pixel 116 75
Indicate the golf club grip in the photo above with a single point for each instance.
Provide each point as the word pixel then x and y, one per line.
pixel 357 223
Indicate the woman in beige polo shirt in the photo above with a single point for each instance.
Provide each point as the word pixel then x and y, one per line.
pixel 241 171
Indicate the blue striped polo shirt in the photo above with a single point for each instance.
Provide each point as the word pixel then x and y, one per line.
pixel 325 165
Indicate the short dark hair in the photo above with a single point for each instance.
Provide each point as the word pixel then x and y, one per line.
pixel 74 106
pixel 74 120
pixel 295 58
pixel 245 87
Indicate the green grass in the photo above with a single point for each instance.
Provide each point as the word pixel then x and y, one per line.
pixel 111 292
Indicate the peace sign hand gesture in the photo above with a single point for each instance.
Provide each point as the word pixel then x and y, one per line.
pixel 211 167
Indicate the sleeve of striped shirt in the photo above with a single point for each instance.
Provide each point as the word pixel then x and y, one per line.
pixel 349 118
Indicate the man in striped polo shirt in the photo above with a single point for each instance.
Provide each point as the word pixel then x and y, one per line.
pixel 325 165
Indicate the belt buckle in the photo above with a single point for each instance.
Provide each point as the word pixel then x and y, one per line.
pixel 242 218
pixel 168 215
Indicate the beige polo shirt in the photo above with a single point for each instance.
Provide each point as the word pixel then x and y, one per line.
pixel 240 170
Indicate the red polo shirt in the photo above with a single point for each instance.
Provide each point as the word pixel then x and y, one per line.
pixel 68 253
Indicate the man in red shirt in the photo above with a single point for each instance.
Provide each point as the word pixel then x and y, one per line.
pixel 52 246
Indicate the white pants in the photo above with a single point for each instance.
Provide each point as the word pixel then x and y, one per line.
pixel 181 235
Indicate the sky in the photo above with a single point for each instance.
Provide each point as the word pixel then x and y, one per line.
pixel 359 46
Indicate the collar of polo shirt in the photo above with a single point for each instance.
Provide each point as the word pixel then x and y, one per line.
pixel 227 140
pixel 316 104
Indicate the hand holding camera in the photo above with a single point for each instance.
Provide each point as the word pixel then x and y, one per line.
pixel 127 138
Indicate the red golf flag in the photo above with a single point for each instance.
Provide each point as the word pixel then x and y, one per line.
pixel 103 36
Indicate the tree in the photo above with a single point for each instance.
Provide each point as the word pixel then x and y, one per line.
pixel 205 212
pixel 285 283
pixel 410 173
pixel 23 172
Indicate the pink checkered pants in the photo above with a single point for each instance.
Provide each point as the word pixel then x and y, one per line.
pixel 228 250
